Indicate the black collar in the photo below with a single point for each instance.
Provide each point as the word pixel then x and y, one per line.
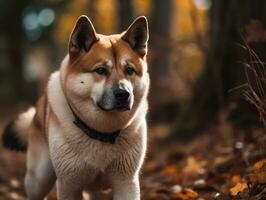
pixel 106 137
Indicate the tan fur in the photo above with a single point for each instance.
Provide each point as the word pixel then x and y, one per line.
pixel 23 122
pixel 57 149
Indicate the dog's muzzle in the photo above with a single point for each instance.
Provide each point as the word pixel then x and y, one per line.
pixel 118 98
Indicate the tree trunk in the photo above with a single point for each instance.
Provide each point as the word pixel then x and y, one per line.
pixel 13 82
pixel 92 11
pixel 160 51
pixel 126 14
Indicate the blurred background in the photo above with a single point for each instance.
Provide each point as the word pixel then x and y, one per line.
pixel 200 60
pixel 195 58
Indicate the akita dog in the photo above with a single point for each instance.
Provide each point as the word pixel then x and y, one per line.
pixel 88 130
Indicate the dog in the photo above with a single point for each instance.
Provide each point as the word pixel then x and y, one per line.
pixel 88 131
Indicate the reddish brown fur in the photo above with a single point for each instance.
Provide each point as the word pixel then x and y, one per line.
pixel 111 48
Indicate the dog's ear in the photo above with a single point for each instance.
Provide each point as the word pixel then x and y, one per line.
pixel 137 36
pixel 82 37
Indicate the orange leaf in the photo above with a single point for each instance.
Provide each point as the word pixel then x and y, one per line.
pixel 194 166
pixel 235 180
pixel 259 165
pixel 239 187
pixel 187 194
pixel 170 170
pixel 258 177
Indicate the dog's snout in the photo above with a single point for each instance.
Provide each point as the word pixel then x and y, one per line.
pixel 121 95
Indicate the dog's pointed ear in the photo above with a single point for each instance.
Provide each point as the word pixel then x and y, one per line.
pixel 137 35
pixel 83 36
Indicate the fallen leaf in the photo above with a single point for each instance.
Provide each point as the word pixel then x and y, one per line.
pixel 239 187
pixel 194 166
pixel 235 180
pixel 170 170
pixel 186 194
pixel 258 177
pixel 259 165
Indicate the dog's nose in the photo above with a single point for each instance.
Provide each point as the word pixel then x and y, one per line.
pixel 121 95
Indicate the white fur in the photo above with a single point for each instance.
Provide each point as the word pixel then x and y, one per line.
pixel 81 84
pixel 109 63
pixel 84 86
pixel 97 91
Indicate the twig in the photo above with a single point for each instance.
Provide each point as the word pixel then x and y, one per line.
pixel 256 82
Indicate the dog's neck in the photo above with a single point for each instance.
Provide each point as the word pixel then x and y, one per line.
pixel 105 137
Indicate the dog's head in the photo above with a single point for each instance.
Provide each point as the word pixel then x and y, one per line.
pixel 107 74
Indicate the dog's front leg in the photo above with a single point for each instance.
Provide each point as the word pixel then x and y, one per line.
pixel 125 188
pixel 68 190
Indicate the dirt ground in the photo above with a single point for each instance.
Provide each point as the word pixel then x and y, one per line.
pixel 221 163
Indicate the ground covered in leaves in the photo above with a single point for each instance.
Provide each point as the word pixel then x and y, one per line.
pixel 220 164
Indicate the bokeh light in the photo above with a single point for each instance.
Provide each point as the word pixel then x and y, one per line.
pixel 46 17
pixel 34 22
pixel 203 4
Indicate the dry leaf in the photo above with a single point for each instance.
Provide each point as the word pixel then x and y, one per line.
pixel 194 166
pixel 170 170
pixel 259 177
pixel 259 165
pixel 258 174
pixel 186 194
pixel 239 187
pixel 235 180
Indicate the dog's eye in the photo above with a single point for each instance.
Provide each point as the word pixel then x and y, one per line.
pixel 101 71
pixel 129 71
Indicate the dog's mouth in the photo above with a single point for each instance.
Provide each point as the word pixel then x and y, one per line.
pixel 119 108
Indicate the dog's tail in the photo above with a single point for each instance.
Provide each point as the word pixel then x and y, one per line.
pixel 15 135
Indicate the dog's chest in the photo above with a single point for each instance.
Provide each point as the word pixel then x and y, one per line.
pixel 73 150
